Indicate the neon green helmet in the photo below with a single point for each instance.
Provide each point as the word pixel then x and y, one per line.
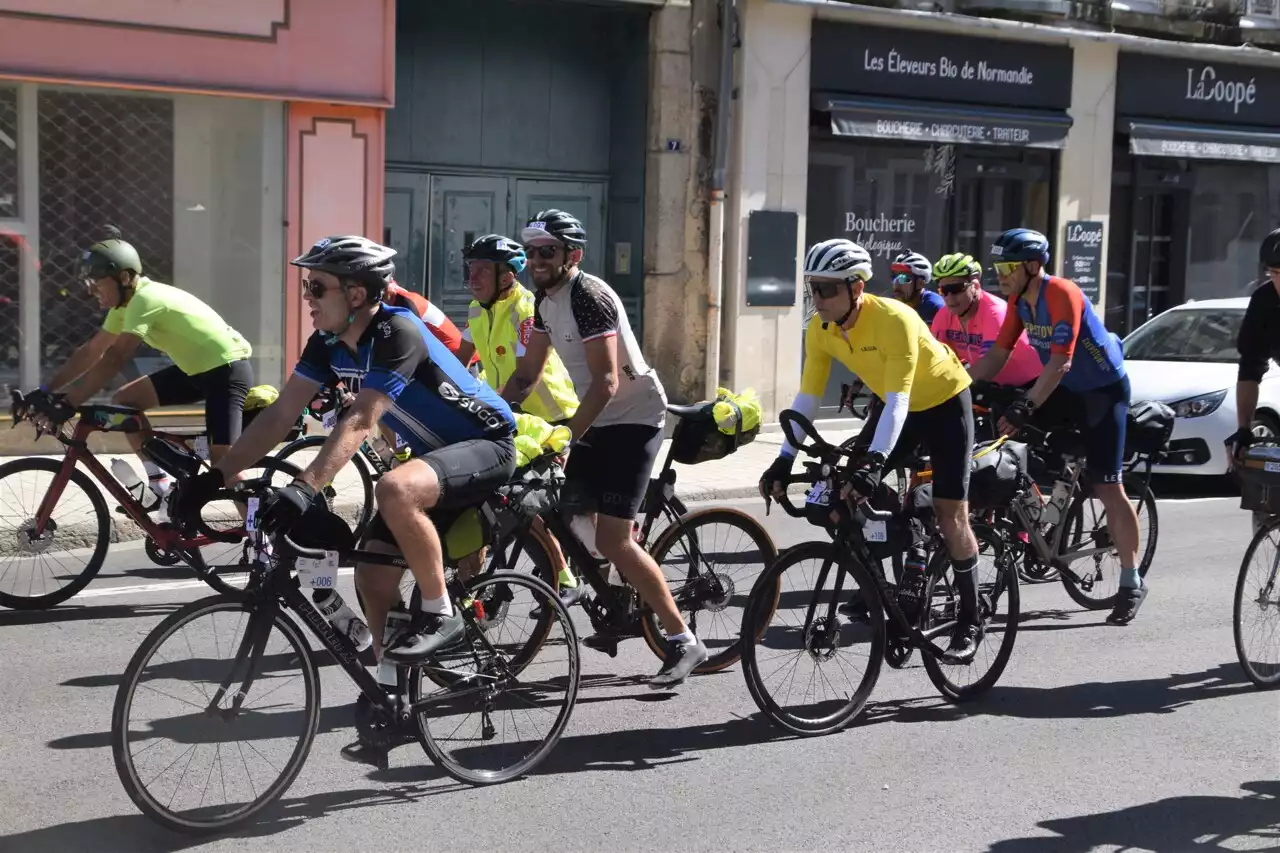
pixel 955 265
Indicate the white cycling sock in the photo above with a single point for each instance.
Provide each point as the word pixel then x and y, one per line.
pixel 440 606
pixel 687 638
pixel 159 480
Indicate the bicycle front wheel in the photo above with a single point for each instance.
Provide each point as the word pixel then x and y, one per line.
pixel 173 766
pixel 501 685
pixel 809 669
pixel 1258 598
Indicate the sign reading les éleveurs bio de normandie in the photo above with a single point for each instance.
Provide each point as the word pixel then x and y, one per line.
pixel 937 67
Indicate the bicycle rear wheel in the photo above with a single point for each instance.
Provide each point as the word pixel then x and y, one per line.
pixel 1000 600
pixel 791 621
pixel 712 559
pixel 350 494
pixel 500 687
pixel 200 679
pixel 1086 521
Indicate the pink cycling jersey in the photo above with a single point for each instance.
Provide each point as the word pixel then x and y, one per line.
pixel 970 345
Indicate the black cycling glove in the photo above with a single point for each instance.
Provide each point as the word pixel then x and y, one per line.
pixel 779 471
pixel 1239 441
pixel 865 479
pixel 285 507
pixel 1019 412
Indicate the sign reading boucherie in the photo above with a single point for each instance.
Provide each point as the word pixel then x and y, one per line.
pixel 951 68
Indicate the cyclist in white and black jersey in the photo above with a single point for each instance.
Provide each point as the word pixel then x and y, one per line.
pixel 617 430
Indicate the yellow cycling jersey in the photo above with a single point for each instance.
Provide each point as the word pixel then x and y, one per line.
pixel 890 349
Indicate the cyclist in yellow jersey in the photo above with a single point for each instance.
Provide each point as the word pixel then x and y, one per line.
pixel 926 400
pixel 210 358
pixel 499 324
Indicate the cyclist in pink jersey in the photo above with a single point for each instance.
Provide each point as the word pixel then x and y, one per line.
pixel 970 320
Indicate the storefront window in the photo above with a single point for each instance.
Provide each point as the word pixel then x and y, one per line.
pixel 1233 206
pixel 195 183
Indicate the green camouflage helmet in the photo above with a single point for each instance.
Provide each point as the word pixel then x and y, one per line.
pixel 108 257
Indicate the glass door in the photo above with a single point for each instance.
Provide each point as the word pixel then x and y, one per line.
pixel 996 192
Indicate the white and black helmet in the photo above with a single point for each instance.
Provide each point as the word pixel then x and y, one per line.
pixel 352 257
pixel 838 259
pixel 913 263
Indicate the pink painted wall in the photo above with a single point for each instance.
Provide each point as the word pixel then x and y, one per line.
pixel 336 161
pixel 337 51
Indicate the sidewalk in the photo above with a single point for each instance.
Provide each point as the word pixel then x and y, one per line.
pixel 731 478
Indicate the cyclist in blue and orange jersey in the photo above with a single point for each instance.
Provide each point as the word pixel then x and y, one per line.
pixel 1083 384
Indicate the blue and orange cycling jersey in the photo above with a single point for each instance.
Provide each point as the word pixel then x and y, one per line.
pixel 1064 323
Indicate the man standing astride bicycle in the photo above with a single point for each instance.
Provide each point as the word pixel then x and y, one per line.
pixel 617 429
pixel 1083 384
pixel 461 433
pixel 912 273
pixel 926 396
pixel 1258 342
pixel 970 320
pixel 210 359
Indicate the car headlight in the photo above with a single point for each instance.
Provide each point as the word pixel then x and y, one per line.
pixel 1198 407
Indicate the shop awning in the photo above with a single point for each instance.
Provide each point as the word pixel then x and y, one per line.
pixel 1203 142
pixel 948 124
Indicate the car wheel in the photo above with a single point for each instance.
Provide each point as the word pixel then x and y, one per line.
pixel 1265 427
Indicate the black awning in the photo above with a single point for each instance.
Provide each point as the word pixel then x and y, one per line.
pixel 1203 142
pixel 947 124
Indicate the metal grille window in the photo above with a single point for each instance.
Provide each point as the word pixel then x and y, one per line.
pixel 103 159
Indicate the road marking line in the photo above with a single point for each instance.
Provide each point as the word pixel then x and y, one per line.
pixel 163 586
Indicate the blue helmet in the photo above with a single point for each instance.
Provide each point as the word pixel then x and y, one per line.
pixel 1020 244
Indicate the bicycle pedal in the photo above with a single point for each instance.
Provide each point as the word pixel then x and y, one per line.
pixel 608 645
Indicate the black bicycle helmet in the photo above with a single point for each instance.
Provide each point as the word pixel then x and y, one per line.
pixel 352 257
pixel 556 223
pixel 1269 251
pixel 499 250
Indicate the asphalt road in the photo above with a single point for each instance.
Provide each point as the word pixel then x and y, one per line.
pixel 1097 738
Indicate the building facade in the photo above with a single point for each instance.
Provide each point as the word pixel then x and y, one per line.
pixel 217 137
pixel 1148 162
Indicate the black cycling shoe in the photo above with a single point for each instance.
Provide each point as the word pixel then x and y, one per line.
pixel 1128 600
pixel 440 633
pixel 965 640
pixel 856 608
pixel 363 753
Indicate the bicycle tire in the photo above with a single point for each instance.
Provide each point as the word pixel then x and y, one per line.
pixel 1250 672
pixel 101 543
pixel 651 627
pixel 1075 516
pixel 548 599
pixel 364 513
pixel 125 769
pixel 754 626
pixel 1007 587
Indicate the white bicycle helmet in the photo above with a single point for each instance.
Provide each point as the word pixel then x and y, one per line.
pixel 915 264
pixel 838 259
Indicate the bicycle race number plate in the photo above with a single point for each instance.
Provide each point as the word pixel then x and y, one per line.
pixel 820 494
pixel 875 531
pixel 202 446
pixel 1271 467
pixel 330 420
pixel 318 574
pixel 251 515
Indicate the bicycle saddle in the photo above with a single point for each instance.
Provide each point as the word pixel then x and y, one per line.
pixel 696 412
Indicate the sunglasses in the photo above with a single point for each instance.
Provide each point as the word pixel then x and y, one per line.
pixel 314 288
pixel 954 289
pixel 825 288
pixel 544 252
pixel 1006 268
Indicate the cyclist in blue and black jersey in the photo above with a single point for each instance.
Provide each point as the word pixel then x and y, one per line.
pixel 461 432
pixel 912 275
pixel 1083 384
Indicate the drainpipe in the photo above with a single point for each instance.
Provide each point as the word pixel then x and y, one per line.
pixel 715 259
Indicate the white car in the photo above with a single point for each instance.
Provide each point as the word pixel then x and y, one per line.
pixel 1186 358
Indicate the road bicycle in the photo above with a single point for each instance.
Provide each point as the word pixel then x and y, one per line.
pixel 237 686
pixel 87 534
pixel 920 608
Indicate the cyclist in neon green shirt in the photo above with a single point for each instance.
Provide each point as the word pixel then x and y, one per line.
pixel 210 359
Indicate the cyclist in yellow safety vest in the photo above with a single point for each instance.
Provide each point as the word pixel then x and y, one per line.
pixel 498 328
pixel 500 322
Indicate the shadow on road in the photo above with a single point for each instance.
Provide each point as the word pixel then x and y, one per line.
pixel 1250 822
pixel 1168 487
pixel 79 613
